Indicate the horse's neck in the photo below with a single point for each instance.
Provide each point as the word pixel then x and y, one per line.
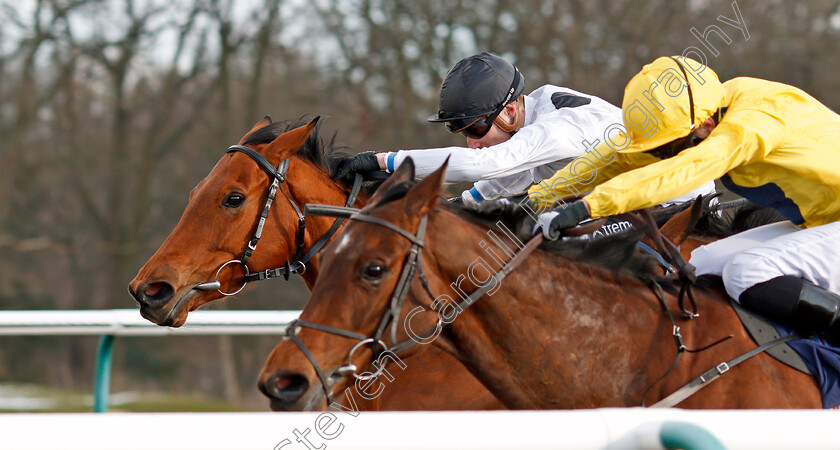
pixel 551 321
pixel 312 185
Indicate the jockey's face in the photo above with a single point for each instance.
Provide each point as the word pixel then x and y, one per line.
pixel 673 148
pixel 496 135
pixel 493 137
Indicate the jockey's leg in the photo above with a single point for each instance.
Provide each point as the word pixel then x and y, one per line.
pixel 795 302
pixel 710 259
pixel 794 278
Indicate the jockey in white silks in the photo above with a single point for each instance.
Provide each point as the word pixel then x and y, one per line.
pixel 513 140
pixel 769 142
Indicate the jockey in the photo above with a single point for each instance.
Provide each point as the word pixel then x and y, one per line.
pixel 769 142
pixel 513 140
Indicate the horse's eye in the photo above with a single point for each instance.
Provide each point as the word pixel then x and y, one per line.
pixel 373 271
pixel 234 200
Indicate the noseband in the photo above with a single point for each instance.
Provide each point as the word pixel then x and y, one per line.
pixel 277 175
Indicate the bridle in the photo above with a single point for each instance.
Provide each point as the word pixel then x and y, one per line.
pixel 391 315
pixel 297 265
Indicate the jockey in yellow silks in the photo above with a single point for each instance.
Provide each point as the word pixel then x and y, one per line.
pixel 769 142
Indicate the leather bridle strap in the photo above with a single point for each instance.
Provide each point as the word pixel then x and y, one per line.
pixel 512 264
pixel 415 239
pixel 412 265
pixel 351 199
pixel 412 261
pixel 299 265
pixel 278 176
pixel 291 332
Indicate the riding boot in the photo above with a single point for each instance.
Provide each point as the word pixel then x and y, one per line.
pixel 796 302
pixel 818 309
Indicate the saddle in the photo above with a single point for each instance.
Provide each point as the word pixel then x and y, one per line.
pixel 762 331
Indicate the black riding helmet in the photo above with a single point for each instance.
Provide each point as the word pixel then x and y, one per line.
pixel 479 85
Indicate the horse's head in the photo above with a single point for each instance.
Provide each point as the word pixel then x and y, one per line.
pixel 199 261
pixel 364 266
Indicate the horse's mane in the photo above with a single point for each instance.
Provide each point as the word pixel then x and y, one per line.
pixel 618 251
pixel 314 150
pixel 724 223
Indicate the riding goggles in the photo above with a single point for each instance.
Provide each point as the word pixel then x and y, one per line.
pixel 673 148
pixel 474 128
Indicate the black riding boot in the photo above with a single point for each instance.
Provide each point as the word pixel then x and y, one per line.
pixel 796 302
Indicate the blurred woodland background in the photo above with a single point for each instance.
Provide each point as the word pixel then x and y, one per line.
pixel 112 110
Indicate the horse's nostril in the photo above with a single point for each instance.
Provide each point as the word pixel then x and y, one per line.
pixel 287 386
pixel 154 294
pixel 153 289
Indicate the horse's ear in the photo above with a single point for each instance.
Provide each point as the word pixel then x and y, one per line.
pixel 262 123
pixel 290 142
pixel 404 175
pixel 423 198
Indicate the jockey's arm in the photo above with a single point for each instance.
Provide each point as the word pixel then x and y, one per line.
pixel 581 175
pixel 534 145
pixel 508 186
pixel 746 136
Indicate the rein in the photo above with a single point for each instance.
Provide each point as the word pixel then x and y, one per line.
pixel 391 316
pixel 277 175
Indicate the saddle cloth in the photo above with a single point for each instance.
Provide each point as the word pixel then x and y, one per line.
pixel 822 359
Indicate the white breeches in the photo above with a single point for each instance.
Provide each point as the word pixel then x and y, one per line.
pixel 770 251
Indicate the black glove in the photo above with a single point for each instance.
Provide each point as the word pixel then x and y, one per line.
pixel 363 163
pixel 567 217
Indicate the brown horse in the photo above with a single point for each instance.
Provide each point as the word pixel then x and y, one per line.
pixel 218 223
pixel 571 327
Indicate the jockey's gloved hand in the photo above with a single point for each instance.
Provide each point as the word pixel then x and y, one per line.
pixel 553 222
pixel 364 163
pixel 471 197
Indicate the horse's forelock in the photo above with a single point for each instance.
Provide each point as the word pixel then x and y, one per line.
pixel 312 150
pixel 266 134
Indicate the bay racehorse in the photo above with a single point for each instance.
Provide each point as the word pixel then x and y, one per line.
pixel 574 325
pixel 199 260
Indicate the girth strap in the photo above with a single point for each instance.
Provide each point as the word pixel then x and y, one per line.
pixel 714 373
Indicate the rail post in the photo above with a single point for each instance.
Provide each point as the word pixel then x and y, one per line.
pixel 102 383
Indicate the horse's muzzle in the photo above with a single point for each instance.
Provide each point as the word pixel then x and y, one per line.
pixel 284 389
pixel 153 298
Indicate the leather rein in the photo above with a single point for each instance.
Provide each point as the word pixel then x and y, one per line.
pixel 297 265
pixel 391 316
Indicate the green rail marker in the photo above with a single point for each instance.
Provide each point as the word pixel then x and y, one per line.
pixel 688 436
pixel 102 383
